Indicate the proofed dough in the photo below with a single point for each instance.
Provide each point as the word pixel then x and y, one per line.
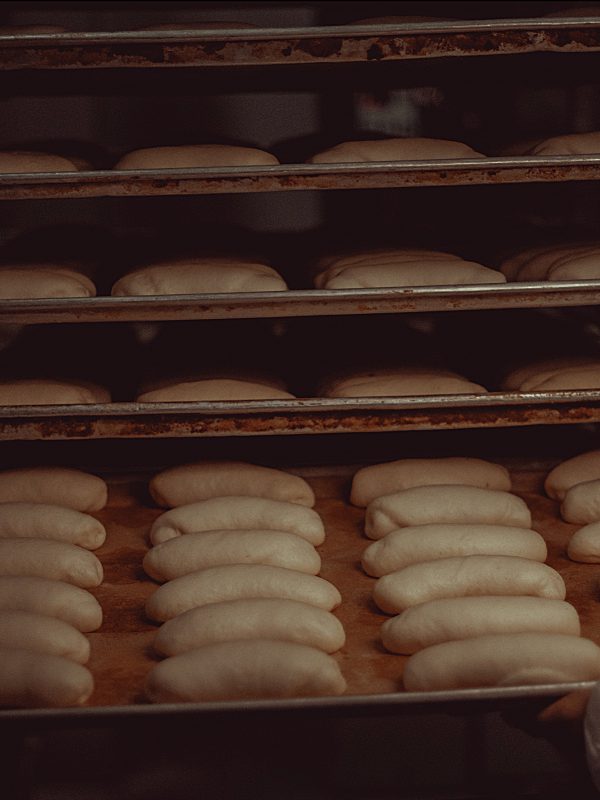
pixel 398 149
pixel 579 469
pixel 193 156
pixel 43 521
pixel 582 503
pixel 43 281
pixel 43 634
pixel 54 485
pixel 52 598
pixel 584 545
pixel 42 391
pixel 44 558
pixel 20 161
pixel 207 389
pixel 35 680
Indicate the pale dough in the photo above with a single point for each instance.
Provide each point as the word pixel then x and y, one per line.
pixel 197 551
pixel 195 156
pixel 569 379
pixel 469 576
pixel 579 469
pixel 42 391
pixel 235 582
pixel 329 266
pixel 36 680
pixel 20 161
pixel 516 659
pixel 245 670
pixel 425 272
pixel 571 144
pixel 404 383
pixel 239 513
pixel 43 521
pixel 582 503
pixel 380 479
pixel 528 374
pixel 52 598
pixel 190 483
pixel 213 389
pixel 422 505
pixel 585 266
pixel 429 542
pixel 584 545
pixel 259 618
pixel 409 149
pixel 457 618
pixel 42 634
pixel 199 276
pixel 44 558
pixel 43 281
pixel 54 485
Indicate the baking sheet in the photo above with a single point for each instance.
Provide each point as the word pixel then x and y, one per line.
pixel 122 653
pixel 332 44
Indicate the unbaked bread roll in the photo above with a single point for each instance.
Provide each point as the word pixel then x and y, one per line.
pixel 42 391
pixel 195 156
pixel 43 521
pixel 457 618
pixel 582 503
pixel 399 149
pixel 528 374
pixel 581 267
pixel 584 545
pixel 403 383
pixel 36 680
pixel 43 281
pixel 245 670
pixel 20 161
pixel 537 264
pixel 422 505
pixel 197 551
pixel 380 479
pixel 58 486
pixel 330 265
pixel 579 469
pixel 236 582
pixel 199 276
pixel 259 618
pixel 190 483
pixel 516 659
pixel 43 558
pixel 422 272
pixel 239 513
pixel 52 598
pixel 209 389
pixel 429 542
pixel 42 634
pixel 470 576
pixel 572 144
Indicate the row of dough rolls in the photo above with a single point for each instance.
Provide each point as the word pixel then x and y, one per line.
pixel 46 570
pixel 243 612
pixel 460 567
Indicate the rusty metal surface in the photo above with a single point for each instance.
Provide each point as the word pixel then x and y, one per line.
pixel 334 44
pixel 294 177
pixel 301 303
pixel 301 416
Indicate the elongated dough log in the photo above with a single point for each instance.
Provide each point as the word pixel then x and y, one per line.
pixel 239 513
pixel 406 383
pixel 398 149
pixel 577 268
pixel 197 551
pixel 260 618
pixel 579 469
pixel 528 374
pixel 235 582
pixel 584 545
pixel 216 389
pixel 43 521
pixel 582 503
pixel 36 680
pixel 190 483
pixel 381 479
pixel 458 618
pixel 21 161
pixel 24 630
pixel 51 598
pixel 470 576
pixel 42 391
pixel 195 155
pixel 400 548
pixel 54 485
pixel 575 378
pixel 17 282
pixel 517 659
pixel 43 558
pixel 245 670
pixel 423 505
pixel 572 144
pixel 424 272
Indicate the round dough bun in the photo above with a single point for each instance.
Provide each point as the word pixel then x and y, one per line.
pixel 398 149
pixel 196 156
pixel 213 389
pixel 21 161
pixel 58 486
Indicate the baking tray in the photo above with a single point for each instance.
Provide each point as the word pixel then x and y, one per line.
pixel 121 650
pixel 302 303
pixel 278 46
pixel 298 177
pixel 301 416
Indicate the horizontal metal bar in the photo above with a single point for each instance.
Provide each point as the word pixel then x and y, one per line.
pixel 335 44
pixel 293 177
pixel 301 303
